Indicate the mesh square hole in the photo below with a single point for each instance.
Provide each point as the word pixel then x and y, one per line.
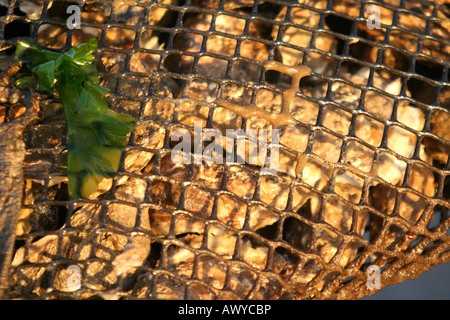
pixel 222 45
pixel 337 119
pixel 349 186
pixel 211 271
pixel 421 179
pixel 181 260
pixel 416 25
pixel 254 50
pixel 189 230
pixel 210 175
pixel 382 198
pixel 326 244
pixel 241 182
pixel 297 233
pixel 212 67
pixel 305 110
pixel 263 221
pixel 131 189
pixel 121 216
pixel 238 272
pixel 149 39
pixel 345 95
pixel 338 215
pixel 439 121
pixel 197 21
pixel 95 13
pixel 253 252
pixel 221 240
pixel 273 192
pixel 390 168
pixel 58 38
pixel 421 90
pixel 198 201
pixel 160 221
pixel 369 130
pixel 438 151
pixel 84 34
pixel 120 38
pixel 177 170
pixel 231 211
pixel 401 141
pixel 411 207
pixel 244 71
pixel 130 15
pixel 359 156
pixel 327 146
pixel 190 42
pixel 411 115
pixel 440 214
pixel 18 28
pixel 316 174
pixel 294 137
pixel 229 24
pixel 165 194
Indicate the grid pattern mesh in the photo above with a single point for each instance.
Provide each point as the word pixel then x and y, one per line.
pixel 363 173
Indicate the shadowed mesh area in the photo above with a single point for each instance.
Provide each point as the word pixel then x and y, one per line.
pixel 362 179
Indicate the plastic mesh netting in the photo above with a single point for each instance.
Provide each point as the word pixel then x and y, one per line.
pixel 360 106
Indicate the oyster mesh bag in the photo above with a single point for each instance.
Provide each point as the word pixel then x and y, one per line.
pixel 316 163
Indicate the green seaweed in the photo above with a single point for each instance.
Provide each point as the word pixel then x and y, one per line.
pixel 96 134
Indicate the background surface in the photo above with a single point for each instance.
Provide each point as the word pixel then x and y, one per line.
pixel 432 285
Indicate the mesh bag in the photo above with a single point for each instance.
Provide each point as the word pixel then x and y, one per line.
pixel 346 102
